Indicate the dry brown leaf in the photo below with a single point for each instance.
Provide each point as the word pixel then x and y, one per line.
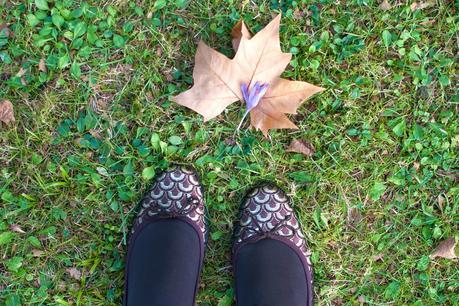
pixel 95 134
pixel 21 72
pixel 299 14
pixel 37 253
pixel 440 200
pixel 284 97
pixel 301 146
pixel 427 22
pixel 42 66
pixel 16 228
pixel 446 249
pixel 159 52
pixel 421 5
pixel 414 6
pixel 378 257
pixel 385 5
pixel 215 86
pixel 354 216
pixel 218 79
pixel 74 273
pixel 239 30
pixel 120 69
pixel 6 112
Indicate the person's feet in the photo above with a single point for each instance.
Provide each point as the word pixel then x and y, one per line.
pixel 166 246
pixel 270 256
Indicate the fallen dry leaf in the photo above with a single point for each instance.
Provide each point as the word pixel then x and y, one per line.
pixel 21 72
pixel 159 52
pixel 16 228
pixel 74 273
pixel 440 200
pixel 385 5
pixel 428 22
pixel 301 146
pixel 42 66
pixel 251 76
pixel 421 5
pixel 446 249
pixel 95 134
pixel 283 96
pixel 37 253
pixel 354 216
pixel 6 112
pixel 299 14
pixel 215 86
pixel 378 257
pixel 239 30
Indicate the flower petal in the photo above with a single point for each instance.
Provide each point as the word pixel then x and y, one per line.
pixel 263 89
pixel 245 92
pixel 254 90
pixel 260 92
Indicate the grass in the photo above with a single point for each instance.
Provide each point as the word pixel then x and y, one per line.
pixel 92 128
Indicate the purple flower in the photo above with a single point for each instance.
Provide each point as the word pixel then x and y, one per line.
pixel 253 97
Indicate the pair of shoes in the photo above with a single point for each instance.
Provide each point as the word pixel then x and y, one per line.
pixel 266 220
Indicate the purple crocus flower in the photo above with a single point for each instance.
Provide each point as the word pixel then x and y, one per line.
pixel 252 97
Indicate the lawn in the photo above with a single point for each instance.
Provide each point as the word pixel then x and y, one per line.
pixel 91 84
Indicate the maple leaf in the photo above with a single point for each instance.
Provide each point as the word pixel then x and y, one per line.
pixel 239 30
pixel 215 83
pixel 253 76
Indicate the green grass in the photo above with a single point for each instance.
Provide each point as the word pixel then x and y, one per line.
pixel 375 199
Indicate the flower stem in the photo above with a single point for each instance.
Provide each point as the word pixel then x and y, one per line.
pixel 242 120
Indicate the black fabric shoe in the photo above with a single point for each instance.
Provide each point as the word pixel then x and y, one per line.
pixel 271 260
pixel 167 242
